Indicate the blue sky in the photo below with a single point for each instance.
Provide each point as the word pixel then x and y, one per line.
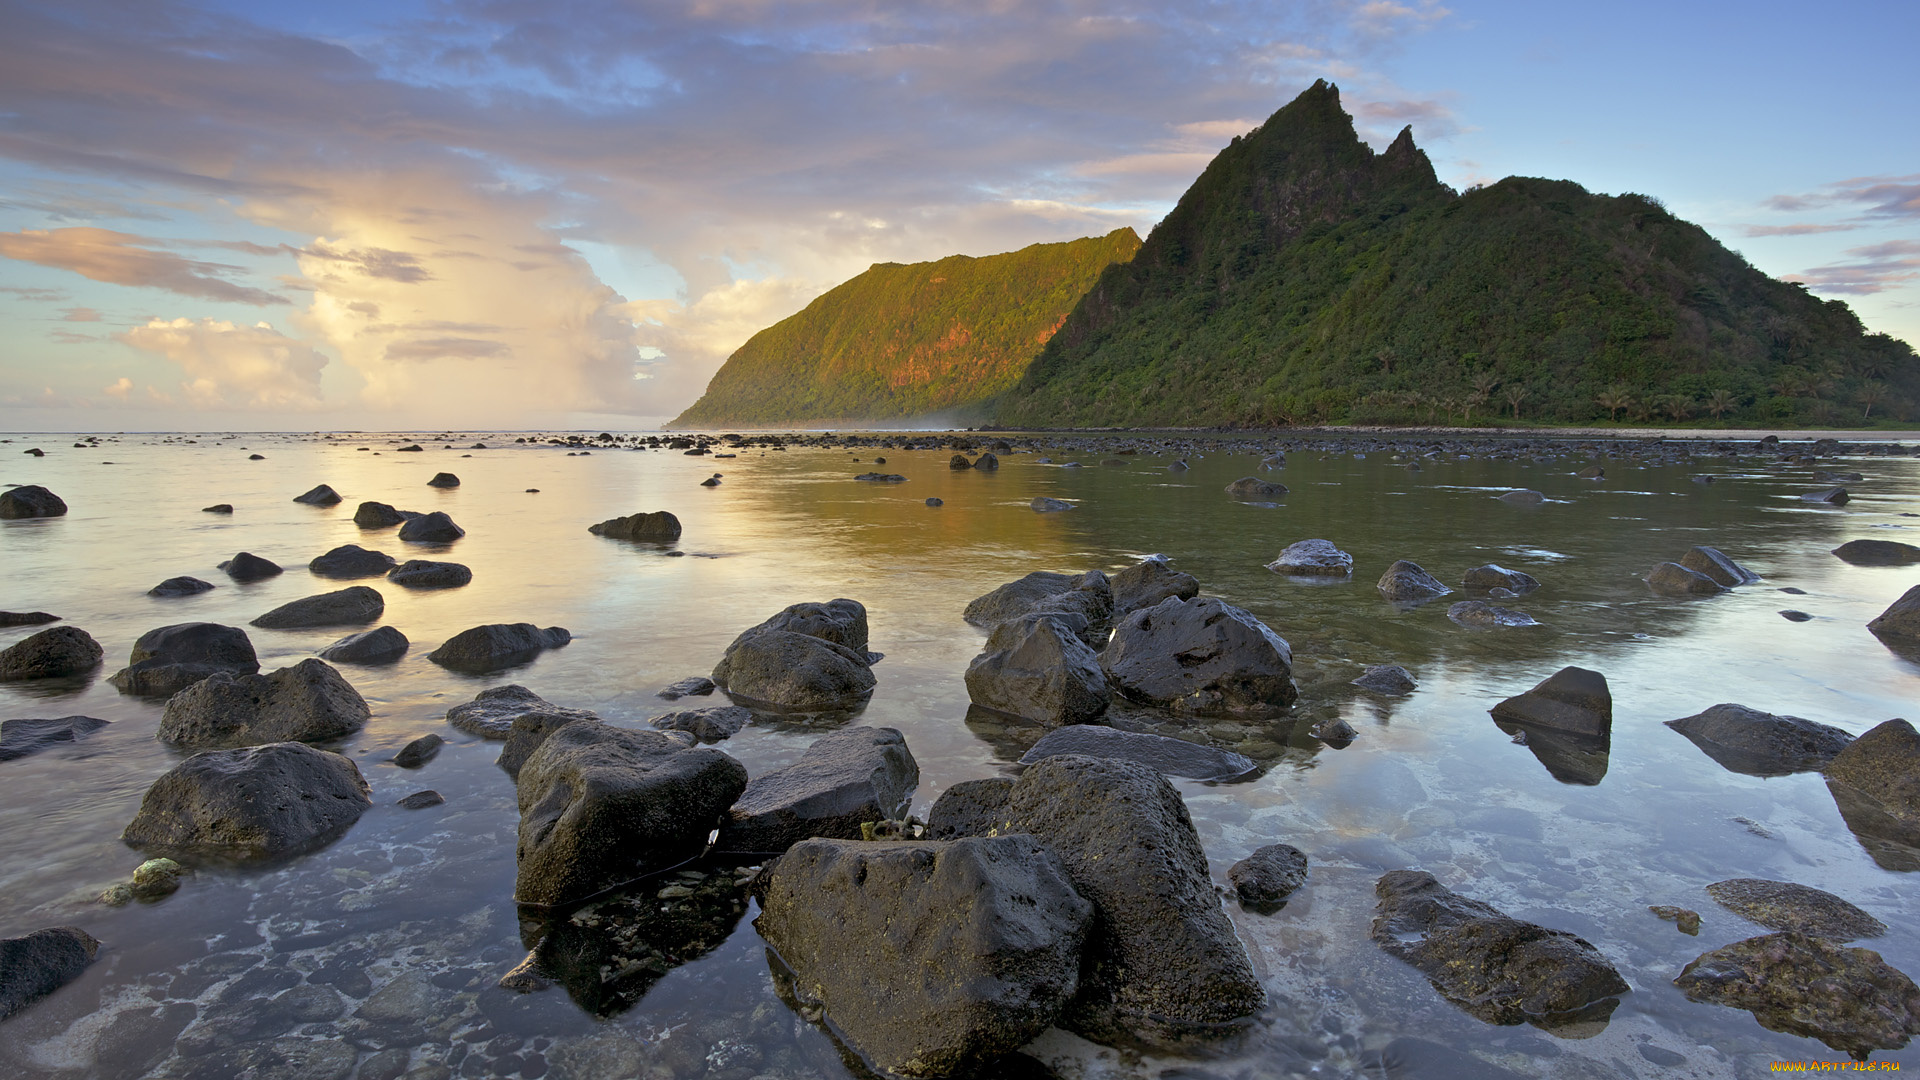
pixel 568 212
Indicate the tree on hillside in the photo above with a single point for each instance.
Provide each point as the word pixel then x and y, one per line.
pixel 1720 403
pixel 1613 399
pixel 1871 394
pixel 1515 395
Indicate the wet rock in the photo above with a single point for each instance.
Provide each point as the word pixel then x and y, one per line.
pixel 217 508
pixel 351 606
pixel 1592 472
pixel 18 738
pixel 697 686
pixel 1848 998
pixel 1783 905
pixel 247 566
pixel 50 654
pixel 1495 576
pixel 319 496
pixel 1685 919
pixel 1795 616
pixel 958 462
pixel 351 561
pixel 434 528
pixel 1313 558
pixel 26 618
pixel 180 586
pixel 1037 666
pixel 986 462
pixel 1884 766
pixel 1567 757
pixel 497 645
pixel 600 806
pixel 969 808
pixel 1522 497
pixel 711 481
pixel 250 804
pixel 708 725
pixel 1877 553
pixel 308 702
pixel 1833 496
pixel 1479 613
pixel 1252 487
pixel 1089 596
pixel 785 669
pixel 36 965
pixel 377 515
pixel 492 713
pixel 367 647
pixel 1168 756
pixel 1672 579
pixel 1756 743
pixel 849 778
pixel 1572 699
pixel 1387 679
pixel 1901 620
pixel 1334 731
pixel 1500 969
pixel 1406 583
pixel 419 751
pixel 860 924
pixel 842 621
pixel 1200 657
pixel 1148 582
pixel 1043 505
pixel 658 527
pixel 1822 477
pixel 1715 564
pixel 934 500
pixel 444 480
pixel 168 659
pixel 1264 879
pixel 426 574
pixel 30 501
pixel 881 478
pixel 420 800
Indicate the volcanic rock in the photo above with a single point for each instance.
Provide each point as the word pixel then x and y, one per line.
pixel 1783 905
pixel 344 607
pixel 1148 582
pixel 852 777
pixel 1312 558
pixel 1572 699
pixel 1877 553
pixel 658 527
pixel 491 714
pixel 497 645
pixel 1715 564
pixel 30 501
pixel 167 659
pixel 1672 579
pixel 18 738
pixel 1406 583
pixel 36 965
pixel 1264 879
pixel 250 804
pixel 319 496
pixel 425 574
pixel 308 702
pixel 1761 744
pixel 50 654
pixel 351 561
pixel 1036 666
pixel 434 528
pixel 180 586
pixel 367 647
pixel 247 566
pixel 1848 998
pixel 1167 756
pixel 1200 657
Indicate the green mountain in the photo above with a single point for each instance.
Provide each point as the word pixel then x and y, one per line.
pixel 903 341
pixel 1305 279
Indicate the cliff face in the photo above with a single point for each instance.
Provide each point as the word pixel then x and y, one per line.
pixel 905 341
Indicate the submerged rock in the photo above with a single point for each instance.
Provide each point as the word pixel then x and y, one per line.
pixel 1672 579
pixel 33 966
pixel 1572 699
pixel 30 501
pixel 1312 558
pixel 1901 620
pixel 247 566
pixel 377 515
pixel 1264 879
pixel 1387 679
pixel 1167 756
pixel 1848 998
pixel 425 574
pixel 1522 497
pixel 695 686
pixel 1833 496
pixel 26 618
pixel 1043 505
pixel 1406 583
pixel 346 607
pixel 491 714
pixel 51 654
pixel 351 561
pixel 1479 613
pixel 1495 576
pixel 1783 905
pixel 168 659
pixel 1756 743
pixel 1037 666
pixel 1200 657
pixel 969 808
pixel 711 724
pixel 419 751
pixel 308 702
pixel 18 738
pixel 1148 582
pixel 849 778
pixel 1715 564
pixel 250 804
pixel 319 496
pixel 434 528
pixel 1877 553
pixel 497 645
pixel 367 647
pixel 180 586
pixel 217 508
pixel 1252 487
pixel 658 527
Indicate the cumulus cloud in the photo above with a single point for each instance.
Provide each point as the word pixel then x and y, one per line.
pixel 232 366
pixel 1874 268
pixel 118 258
pixel 120 389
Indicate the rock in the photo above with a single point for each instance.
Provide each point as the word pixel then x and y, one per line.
pixel 842 621
pixel 1148 582
pixel 434 528
pixel 30 501
pixel 1089 596
pixel 419 751
pixel 250 804
pixel 1714 563
pixel 781 669
pixel 697 686
pixel 1178 467
pixel 1387 679
pixel 1162 957
pixel 1334 731
pixel 426 574
pixel 1901 620
pixel 1037 667
pixel 987 462
pixel 36 965
pixel 1406 583
pixel 1252 487
pixel 308 702
pixel 1686 920
pixel 344 607
pixel 1312 558
pixel 1848 998
pixel 26 618
pixel 1795 616
pixel 1877 553
pixel 1833 496
pixel 1572 700
pixel 1479 613
pixel 881 478
pixel 497 645
pixel 1522 497
pixel 969 808
pixel 1884 765
pixel 156 878
pixel 377 515
pixel 852 777
pixel 1672 579
pixel 1167 756
pixel 444 480
pixel 170 658
pixel 367 647
pixel 1495 576
pixel 18 738
pixel 1200 657
pixel 491 714
pixel 1592 472
pixel 50 654
pixel 934 500
pixel 1499 969
pixel 1821 477
pixel 180 586
pixel 1783 905
pixel 862 927
pixel 1043 505
pixel 247 566
pixel 711 481
pixel 411 448
pixel 708 725
pixel 420 800
pixel 1749 741
pixel 1264 879
pixel 319 496
pixel 601 806
pixel 958 462
pixel 658 527
pixel 217 508
pixel 351 561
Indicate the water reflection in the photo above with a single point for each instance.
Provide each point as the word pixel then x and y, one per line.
pixel 1569 758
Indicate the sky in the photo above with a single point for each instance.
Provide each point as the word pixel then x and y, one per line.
pixel 414 214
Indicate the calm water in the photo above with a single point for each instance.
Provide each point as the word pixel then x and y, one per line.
pixel 386 946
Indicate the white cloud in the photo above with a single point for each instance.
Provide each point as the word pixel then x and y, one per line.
pixel 228 365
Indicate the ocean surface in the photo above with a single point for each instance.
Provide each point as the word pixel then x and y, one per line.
pixel 379 955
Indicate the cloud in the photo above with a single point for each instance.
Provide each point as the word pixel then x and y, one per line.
pixel 1430 118
pixel 232 366
pixel 1879 197
pixel 118 258
pixel 35 294
pixel 120 389
pixel 80 314
pixel 1794 230
pixel 1876 268
pixel 372 262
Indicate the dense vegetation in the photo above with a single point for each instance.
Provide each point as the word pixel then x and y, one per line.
pixel 1304 279
pixel 904 341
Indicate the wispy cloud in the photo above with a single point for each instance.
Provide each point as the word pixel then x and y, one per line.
pixel 1804 229
pixel 229 365
pixel 1879 197
pixel 1874 268
pixel 120 259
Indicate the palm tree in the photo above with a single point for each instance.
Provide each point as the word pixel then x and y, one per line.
pixel 1472 402
pixel 1720 403
pixel 1515 395
pixel 1792 382
pixel 1871 394
pixel 1613 399
pixel 1677 406
pixel 1483 384
pixel 1386 356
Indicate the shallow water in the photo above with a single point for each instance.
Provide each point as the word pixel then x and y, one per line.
pixel 387 945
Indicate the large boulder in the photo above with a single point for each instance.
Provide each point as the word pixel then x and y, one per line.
pixel 1901 621
pixel 180 586
pixel 969 808
pixel 849 778
pixel 351 606
pixel 30 501
pixel 842 621
pixel 351 561
pixel 308 702
pixel 1037 667
pixel 1200 657
pixel 1148 582
pixel 319 496
pixel 1167 756
pixel 929 958
pixel 250 804
pixel 168 659
pixel 1761 744
pixel 378 515
pixel 426 574
pixel 36 965
pixel 51 654
pixel 434 528
pixel 1016 598
pixel 1089 595
pixel 1715 564
pixel 1672 579
pixel 1500 969
pixel 1878 553
pixel 1884 765
pixel 1312 558
pixel 497 645
pixel 1252 487
pixel 1406 583
pixel 1784 905
pixel 781 669
pixel 491 714
pixel 247 566
pixel 601 806
pixel 18 738
pixel 1848 998
pixel 1495 576
pixel 1162 957
pixel 986 462
pixel 659 527
pixel 376 646
pixel 1573 700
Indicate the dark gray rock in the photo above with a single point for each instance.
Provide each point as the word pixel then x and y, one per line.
pixel 1387 679
pixel 969 808
pixel 1783 905
pixel 308 702
pixel 1877 553
pixel 531 729
pixel 1200 657
pixel 420 800
pixel 1761 744
pixel 934 500
pixel 781 669
pixel 1884 766
pixel 1833 496
pixel 1090 596
pixel 26 618
pixel 1167 756
pixel 601 806
pixel 1495 576
pixel 1479 613
pixel 1573 700
pixel 1823 477
pixel 1041 504
pixel 1036 666
pixel 1522 497
pixel 250 804
pixel 1715 564
pixel 1252 487
pixel 319 496
pixel 1901 620
pixel 658 527
pixel 1672 579
pixel 50 654
pixel 374 646
pixel 217 508
pixel 444 480
pixel 841 621
pixel 881 478
pixel 491 714
pixel 496 646
pixel 1264 879
pixel 180 586
pixel 36 965
pixel 1501 970
pixel 168 659
pixel 1848 998
pixel 958 462
pixel 419 751
pixel 711 724
pixel 18 738
pixel 1148 582
pixel 352 606
pixel 696 686
pixel 1312 558
pixel 1406 583
pixel 1792 615
pixel 426 574
pixel 351 561
pixel 860 926
pixel 247 566
pixel 377 515
pixel 849 778
pixel 434 528
pixel 30 501
pixel 1592 472
pixel 986 462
